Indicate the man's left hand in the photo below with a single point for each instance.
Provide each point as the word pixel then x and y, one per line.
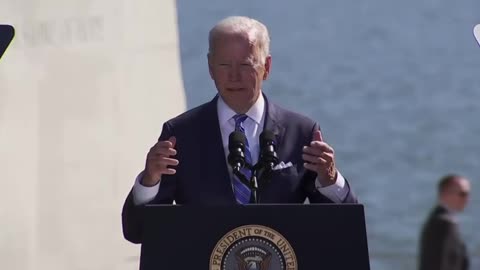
pixel 320 158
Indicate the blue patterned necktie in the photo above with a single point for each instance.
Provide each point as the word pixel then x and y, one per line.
pixel 242 192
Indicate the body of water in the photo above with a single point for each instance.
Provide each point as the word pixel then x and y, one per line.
pixel 395 86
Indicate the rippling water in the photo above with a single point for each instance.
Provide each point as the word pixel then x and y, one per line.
pixel 395 86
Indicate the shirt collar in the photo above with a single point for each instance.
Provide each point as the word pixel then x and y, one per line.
pixel 449 210
pixel 225 113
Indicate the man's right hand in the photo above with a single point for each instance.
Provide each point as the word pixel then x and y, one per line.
pixel 158 158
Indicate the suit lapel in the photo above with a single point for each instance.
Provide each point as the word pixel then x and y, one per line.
pixel 214 166
pixel 272 123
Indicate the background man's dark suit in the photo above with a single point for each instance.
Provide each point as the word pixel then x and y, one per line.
pixel 441 247
pixel 202 175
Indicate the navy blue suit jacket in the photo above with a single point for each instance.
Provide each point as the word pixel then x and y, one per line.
pixel 202 174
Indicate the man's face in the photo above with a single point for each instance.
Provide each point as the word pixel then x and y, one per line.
pixel 235 67
pixel 459 193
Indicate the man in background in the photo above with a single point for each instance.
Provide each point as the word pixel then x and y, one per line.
pixel 441 247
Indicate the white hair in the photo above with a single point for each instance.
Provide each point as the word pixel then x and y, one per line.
pixel 256 31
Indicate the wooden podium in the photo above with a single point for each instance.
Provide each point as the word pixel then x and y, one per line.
pixel 276 237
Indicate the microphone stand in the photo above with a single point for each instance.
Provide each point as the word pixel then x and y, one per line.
pixel 253 186
pixel 259 172
pixel 252 183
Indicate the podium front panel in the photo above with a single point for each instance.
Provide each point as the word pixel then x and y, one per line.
pixel 326 236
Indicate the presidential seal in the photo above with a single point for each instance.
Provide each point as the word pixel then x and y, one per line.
pixel 253 247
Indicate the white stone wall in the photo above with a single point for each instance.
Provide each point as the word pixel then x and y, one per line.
pixel 84 89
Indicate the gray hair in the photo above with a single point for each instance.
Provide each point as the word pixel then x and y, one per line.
pixel 256 31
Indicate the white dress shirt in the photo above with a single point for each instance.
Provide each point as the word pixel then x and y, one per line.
pixel 253 127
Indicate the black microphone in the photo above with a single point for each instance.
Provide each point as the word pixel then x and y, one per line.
pixel 268 156
pixel 236 147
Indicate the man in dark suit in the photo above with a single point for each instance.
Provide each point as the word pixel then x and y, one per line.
pixel 189 165
pixel 441 247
